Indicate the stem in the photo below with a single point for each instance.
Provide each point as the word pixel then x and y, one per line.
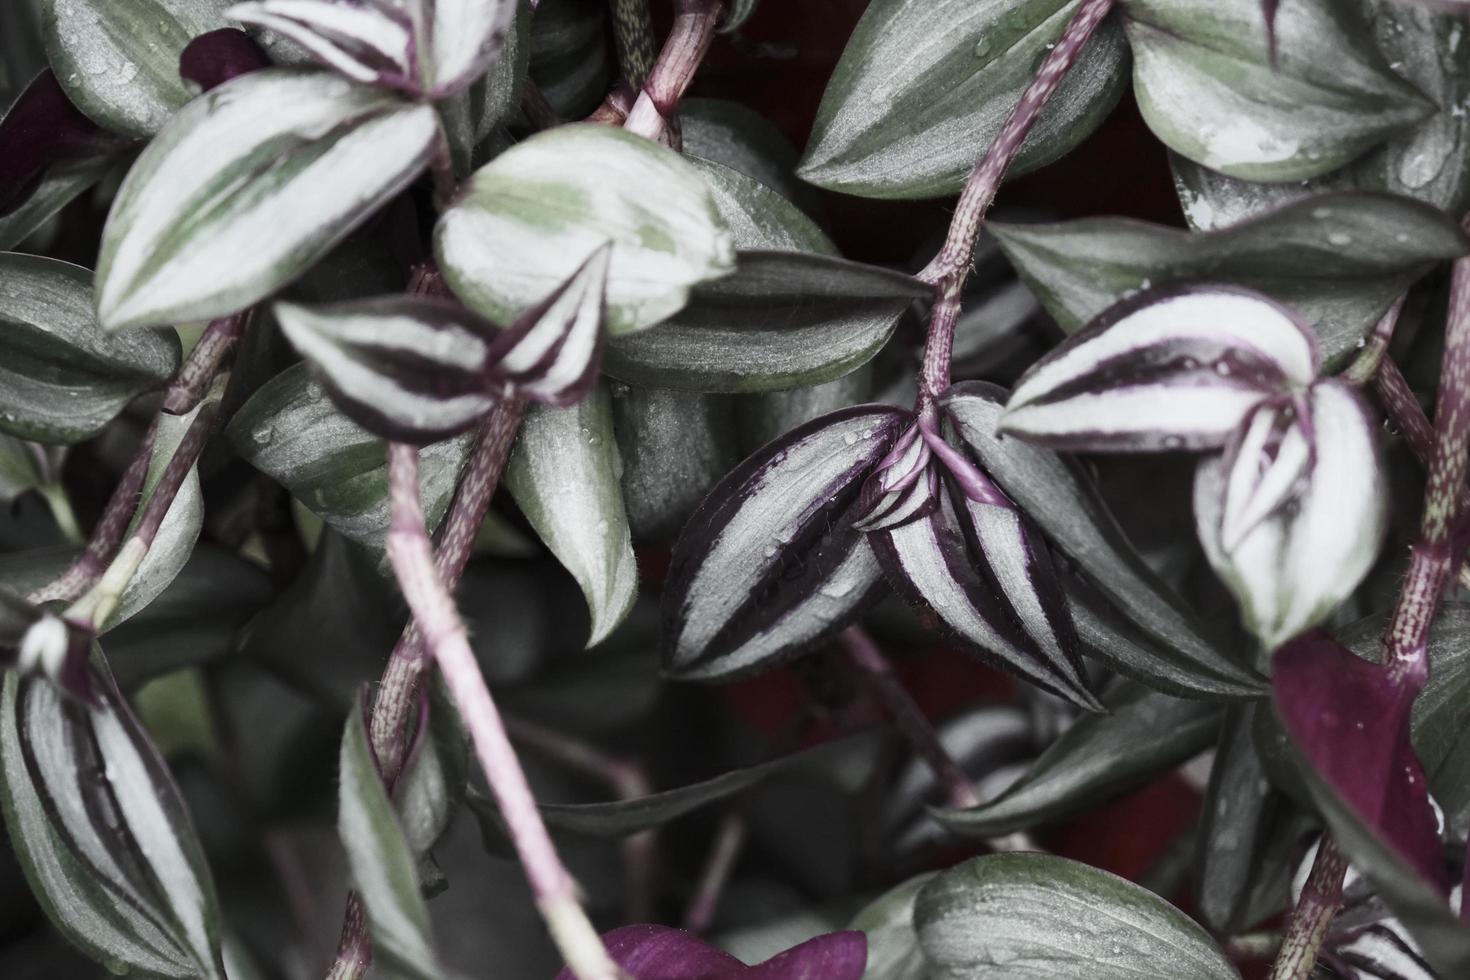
pixel 729 839
pixel 1320 899
pixel 444 634
pixel 62 513
pixel 398 690
pixel 1365 366
pixel 633 32
pixel 866 657
pixel 627 780
pixel 953 261
pixel 194 378
pixel 694 29
pixel 939 347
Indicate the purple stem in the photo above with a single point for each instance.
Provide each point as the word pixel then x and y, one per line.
pixel 694 29
pixel 1365 366
pixel 445 637
pixel 1320 899
pixel 729 839
pixel 907 716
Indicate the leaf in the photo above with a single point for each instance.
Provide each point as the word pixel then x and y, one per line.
pixel 770 415
pixel 63 183
pixel 472 115
pixel 923 88
pixel 768 564
pixel 660 953
pixel 1206 85
pixel 364 43
pixel 738 14
pixel 290 430
pixel 409 368
pixel 246 187
pixel 675 446
pixel 464 37
pixel 433 783
pixel 1055 493
pixel 383 867
pixel 782 320
pixel 213 58
pixel 623 818
pixel 757 215
pixel 119 59
pixel 102 834
pixel 1309 534
pixel 927 561
pixel 1174 368
pixel 1339 260
pixel 42 132
pixel 1029 916
pixel 893 945
pixel 1441 714
pixel 565 475
pixel 1099 758
pixel 61 378
pixel 740 138
pixel 527 219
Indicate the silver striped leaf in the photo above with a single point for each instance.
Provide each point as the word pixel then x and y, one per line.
pixel 1175 368
pixel 525 221
pixel 102 833
pixel 407 368
pixel 36 641
pixel 464 37
pixel 246 187
pixel 368 43
pixel 929 562
pixel 1302 546
pixel 769 564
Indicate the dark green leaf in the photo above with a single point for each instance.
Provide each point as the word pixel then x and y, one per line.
pixel 772 414
pixel 62 183
pixel 61 378
pixel 1039 917
pixel 737 136
pixel 893 944
pixel 1208 88
pixel 290 430
pixel 1338 259
pixel 1144 735
pixel 472 116
pixel 924 87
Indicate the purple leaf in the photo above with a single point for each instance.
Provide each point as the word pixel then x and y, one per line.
pixel 769 564
pixel 553 351
pixel 1292 515
pixel 42 128
pixel 1175 368
pixel 366 43
pixel 1350 719
pixel 651 952
pixel 408 368
pixel 927 561
pixel 902 486
pixel 214 58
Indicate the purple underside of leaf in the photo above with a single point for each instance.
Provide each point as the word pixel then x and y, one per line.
pixel 41 129
pixel 214 58
pixel 1350 720
pixel 1268 13
pixel 929 563
pixel 1165 369
pixel 651 952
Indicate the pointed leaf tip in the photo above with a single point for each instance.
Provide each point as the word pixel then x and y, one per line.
pixel 1172 368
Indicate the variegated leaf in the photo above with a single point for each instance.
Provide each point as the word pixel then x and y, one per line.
pixel 565 475
pixel 1303 537
pixel 407 368
pixel 525 221
pixel 366 43
pixel 37 641
pixel 1174 368
pixel 928 562
pixel 769 564
pixel 246 187
pixel 464 36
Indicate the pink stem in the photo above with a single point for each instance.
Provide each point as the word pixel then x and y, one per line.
pixel 694 29
pixel 445 637
pixel 1320 899
pixel 729 839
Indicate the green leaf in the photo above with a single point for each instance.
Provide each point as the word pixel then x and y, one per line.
pixel 434 782
pixel 246 187
pixel 118 60
pixel 61 378
pixel 290 430
pixel 102 834
pixel 893 944
pixel 1039 917
pixel 1059 497
pixel 758 216
pixel 383 866
pixel 772 414
pixel 783 320
pixel 738 137
pixel 62 183
pixel 1206 85
pixel 675 446
pixel 924 87
pixel 1338 259
pixel 524 223
pixel 23 467
pixel 1102 756
pixel 472 115
pixel 565 473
